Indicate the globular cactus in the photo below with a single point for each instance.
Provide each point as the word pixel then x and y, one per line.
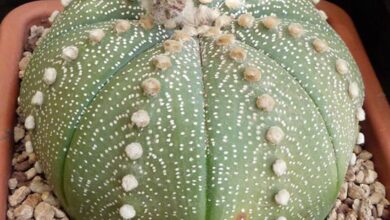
pixel 193 110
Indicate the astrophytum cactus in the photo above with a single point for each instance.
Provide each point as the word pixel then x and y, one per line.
pixel 173 109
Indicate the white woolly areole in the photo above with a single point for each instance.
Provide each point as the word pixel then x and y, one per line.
pixel 233 4
pixel 275 135
pixel 296 30
pixel 252 74
pixel 134 151
pixel 122 26
pixel 140 118
pixel 37 99
pixel 223 21
pixel 271 22
pixel 360 139
pixel 353 90
pixel 162 62
pixel 53 16
pixel 279 167
pixel 29 123
pixel 70 53
pixel 96 35
pixel 352 162
pixel 151 86
pixel 127 211
pixel 50 75
pixel 66 3
pixel 320 45
pixel 129 182
pixel 360 114
pixel 282 197
pixel 281 218
pixel 342 66
pixel 246 20
pixel 265 102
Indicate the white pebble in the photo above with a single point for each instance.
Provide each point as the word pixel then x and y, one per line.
pixel 129 182
pixel 127 211
pixel 282 197
pixel 352 162
pixel 233 4
pixel 70 53
pixel 342 66
pixel 50 75
pixel 140 118
pixel 360 139
pixel 353 90
pixel 265 102
pixel 360 114
pixel 95 36
pixel 37 99
pixel 134 151
pixel 275 135
pixel 279 167
pixel 66 3
pixel 53 16
pixel 29 123
pixel 29 147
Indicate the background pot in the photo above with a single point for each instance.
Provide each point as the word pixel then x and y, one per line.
pixel 14 32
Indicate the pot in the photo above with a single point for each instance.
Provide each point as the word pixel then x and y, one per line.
pixel 14 32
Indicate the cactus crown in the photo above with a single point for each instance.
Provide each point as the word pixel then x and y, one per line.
pixel 193 110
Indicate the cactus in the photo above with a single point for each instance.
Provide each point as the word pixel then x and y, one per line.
pixel 174 109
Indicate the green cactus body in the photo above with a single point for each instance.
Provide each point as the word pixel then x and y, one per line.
pixel 252 120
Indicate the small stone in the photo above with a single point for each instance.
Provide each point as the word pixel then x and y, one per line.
pixel 353 90
pixel 213 32
pixel 23 212
pixel 370 176
pixel 96 35
pixel 271 22
pixel 365 155
pixel 360 139
pixel 233 4
pixel 12 183
pixel 343 191
pixel 162 62
pixel 24 62
pixel 23 166
pixel 246 20
pixel 275 135
pixel 279 167
pixel 375 198
pixel 38 167
pixel 320 45
pixel 19 195
pixel 49 198
pixel 10 214
pixel 170 24
pixel 58 213
pixel 357 149
pixel 225 40
pixel 296 30
pixel 29 147
pixel 122 26
pixel 44 211
pixel 379 187
pixel 127 211
pixel 282 197
pixel 352 162
pixel 140 118
pixel 38 186
pixel 351 215
pixel 342 66
pixel 172 46
pixel 355 192
pixel 365 210
pixel 50 76
pixel 31 173
pixel 265 103
pixel 18 133
pixel 380 208
pixel 252 74
pixel 151 86
pixel 190 30
pixel 37 99
pixel 129 182
pixel 66 3
pixel 70 53
pixel 238 54
pixel 134 151
pixel 33 200
pixel 146 22
pixel 359 177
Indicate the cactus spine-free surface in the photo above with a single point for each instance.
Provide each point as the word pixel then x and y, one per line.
pixel 175 109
